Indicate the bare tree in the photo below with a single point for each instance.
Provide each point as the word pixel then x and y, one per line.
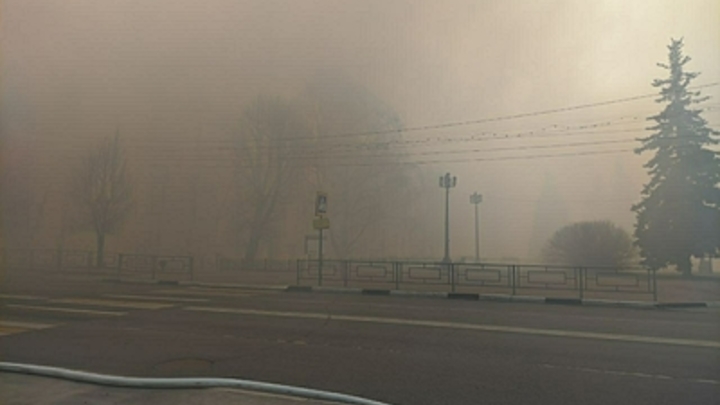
pixel 369 190
pixel 265 145
pixel 103 191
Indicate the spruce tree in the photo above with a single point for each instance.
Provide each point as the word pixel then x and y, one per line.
pixel 679 215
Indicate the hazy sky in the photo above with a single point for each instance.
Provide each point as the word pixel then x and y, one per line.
pixel 77 69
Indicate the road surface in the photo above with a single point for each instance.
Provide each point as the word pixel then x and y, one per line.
pixel 393 349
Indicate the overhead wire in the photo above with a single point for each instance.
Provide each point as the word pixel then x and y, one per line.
pixel 554 130
pixel 453 124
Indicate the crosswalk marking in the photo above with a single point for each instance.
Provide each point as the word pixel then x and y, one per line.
pixel 112 303
pixel 146 297
pixel 10 327
pixel 68 310
pixel 20 297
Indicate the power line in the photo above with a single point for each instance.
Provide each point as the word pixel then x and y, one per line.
pixel 425 162
pixel 475 121
pixel 322 150
pixel 399 155
pixel 225 144
pixel 500 118
pixel 554 130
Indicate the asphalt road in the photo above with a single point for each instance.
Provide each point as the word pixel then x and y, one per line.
pixel 393 349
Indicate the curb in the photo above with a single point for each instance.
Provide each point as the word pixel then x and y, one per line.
pixel 332 290
pixel 527 298
pixel 662 305
pixel 506 298
pixel 199 284
pixel 434 294
pixel 298 288
pixel 563 301
pixel 627 304
pixel 240 286
pixel 372 291
pixel 425 294
pixel 463 296
pixel 124 281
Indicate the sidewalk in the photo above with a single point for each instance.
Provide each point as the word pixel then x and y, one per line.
pixel 21 389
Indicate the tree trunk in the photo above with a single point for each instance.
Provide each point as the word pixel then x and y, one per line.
pixel 100 249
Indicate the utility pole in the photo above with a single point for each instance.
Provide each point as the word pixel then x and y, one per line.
pixel 476 199
pixel 447 183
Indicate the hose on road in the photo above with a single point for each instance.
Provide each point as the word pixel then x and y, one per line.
pixel 182 383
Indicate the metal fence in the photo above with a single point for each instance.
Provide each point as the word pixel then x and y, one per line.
pixel 222 263
pixel 46 258
pixel 138 265
pixel 511 279
pixel 155 266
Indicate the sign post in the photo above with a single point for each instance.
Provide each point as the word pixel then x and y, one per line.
pixel 476 199
pixel 320 223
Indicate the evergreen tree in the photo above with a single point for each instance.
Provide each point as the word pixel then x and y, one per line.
pixel 679 215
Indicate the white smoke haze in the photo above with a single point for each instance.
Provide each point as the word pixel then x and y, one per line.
pixel 174 78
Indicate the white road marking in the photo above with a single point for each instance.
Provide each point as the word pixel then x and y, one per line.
pixel 631 374
pixel 146 297
pixel 27 325
pixel 68 310
pixel 112 303
pixel 469 326
pixel 206 293
pixel 20 297
pixel 228 290
pixel 10 327
pixel 703 381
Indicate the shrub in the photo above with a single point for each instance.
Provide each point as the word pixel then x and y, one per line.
pixel 592 243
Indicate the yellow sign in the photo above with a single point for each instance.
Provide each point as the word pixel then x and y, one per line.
pixel 321 223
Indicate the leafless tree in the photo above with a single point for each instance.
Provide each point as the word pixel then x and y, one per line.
pixel 102 191
pixel 368 190
pixel 268 138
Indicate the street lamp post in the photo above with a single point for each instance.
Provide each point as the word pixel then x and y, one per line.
pixel 447 183
pixel 476 199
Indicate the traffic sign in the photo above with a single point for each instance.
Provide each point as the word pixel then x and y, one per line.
pixel 321 203
pixel 321 223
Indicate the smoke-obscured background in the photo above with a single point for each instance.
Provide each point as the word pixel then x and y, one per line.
pixel 176 79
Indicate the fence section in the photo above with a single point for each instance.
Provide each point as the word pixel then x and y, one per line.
pixel 479 277
pixel 222 263
pixel 46 258
pixel 512 279
pixel 157 267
